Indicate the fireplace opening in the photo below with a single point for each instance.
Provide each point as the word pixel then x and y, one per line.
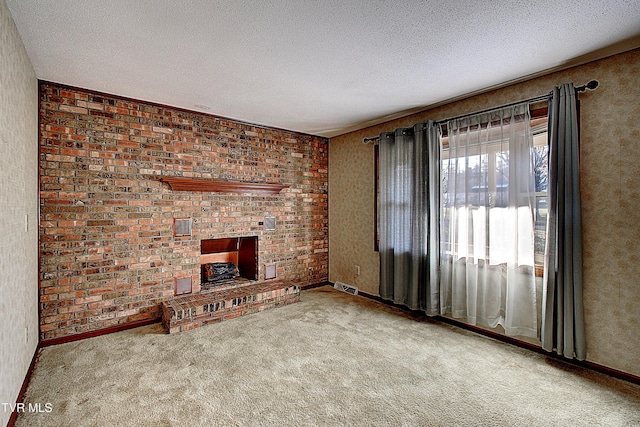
pixel 228 260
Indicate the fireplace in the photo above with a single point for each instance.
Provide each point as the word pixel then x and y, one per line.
pixel 228 261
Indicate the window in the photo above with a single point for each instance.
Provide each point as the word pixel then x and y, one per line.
pixel 540 157
pixel 498 182
pixel 488 182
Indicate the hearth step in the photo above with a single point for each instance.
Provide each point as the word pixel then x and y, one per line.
pixel 185 312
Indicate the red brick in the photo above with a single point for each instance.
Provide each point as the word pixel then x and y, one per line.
pixel 103 202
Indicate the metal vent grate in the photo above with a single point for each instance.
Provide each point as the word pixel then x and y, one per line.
pixel 270 271
pixel 183 285
pixel 182 227
pixel 350 289
pixel 270 223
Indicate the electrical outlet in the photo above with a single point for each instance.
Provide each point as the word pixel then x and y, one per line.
pixel 357 270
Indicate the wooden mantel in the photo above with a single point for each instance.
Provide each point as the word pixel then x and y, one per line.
pixel 208 185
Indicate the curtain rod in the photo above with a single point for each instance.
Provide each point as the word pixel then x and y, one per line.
pixel 591 86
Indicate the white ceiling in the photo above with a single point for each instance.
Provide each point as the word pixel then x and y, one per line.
pixel 321 67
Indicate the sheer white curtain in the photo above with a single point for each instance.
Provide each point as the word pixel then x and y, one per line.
pixel 487 238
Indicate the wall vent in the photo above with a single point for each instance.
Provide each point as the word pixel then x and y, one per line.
pixel 350 289
pixel 270 271
pixel 182 227
pixel 183 285
pixel 269 223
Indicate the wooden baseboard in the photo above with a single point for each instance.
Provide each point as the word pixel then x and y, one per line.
pixel 98 332
pixel 315 285
pixel 607 371
pixel 25 384
pixel 529 346
pixel 510 340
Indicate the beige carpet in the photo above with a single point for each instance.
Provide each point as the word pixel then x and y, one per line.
pixel 330 360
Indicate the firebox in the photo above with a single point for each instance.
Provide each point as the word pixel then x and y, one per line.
pixel 227 259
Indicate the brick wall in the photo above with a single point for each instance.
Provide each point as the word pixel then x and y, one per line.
pixel 107 251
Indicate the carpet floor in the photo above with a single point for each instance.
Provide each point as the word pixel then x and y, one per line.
pixel 330 360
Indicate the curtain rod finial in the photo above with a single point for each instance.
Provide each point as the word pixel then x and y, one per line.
pixel 373 139
pixel 592 84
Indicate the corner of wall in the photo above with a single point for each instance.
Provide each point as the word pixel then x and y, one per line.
pixel 19 204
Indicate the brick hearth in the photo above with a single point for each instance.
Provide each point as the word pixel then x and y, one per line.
pixel 191 311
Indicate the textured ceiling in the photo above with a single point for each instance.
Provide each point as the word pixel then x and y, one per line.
pixel 320 67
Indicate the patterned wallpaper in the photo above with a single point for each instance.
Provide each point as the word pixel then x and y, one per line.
pixel 19 207
pixel 610 149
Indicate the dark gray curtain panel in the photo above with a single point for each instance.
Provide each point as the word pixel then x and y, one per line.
pixel 562 326
pixel 409 216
